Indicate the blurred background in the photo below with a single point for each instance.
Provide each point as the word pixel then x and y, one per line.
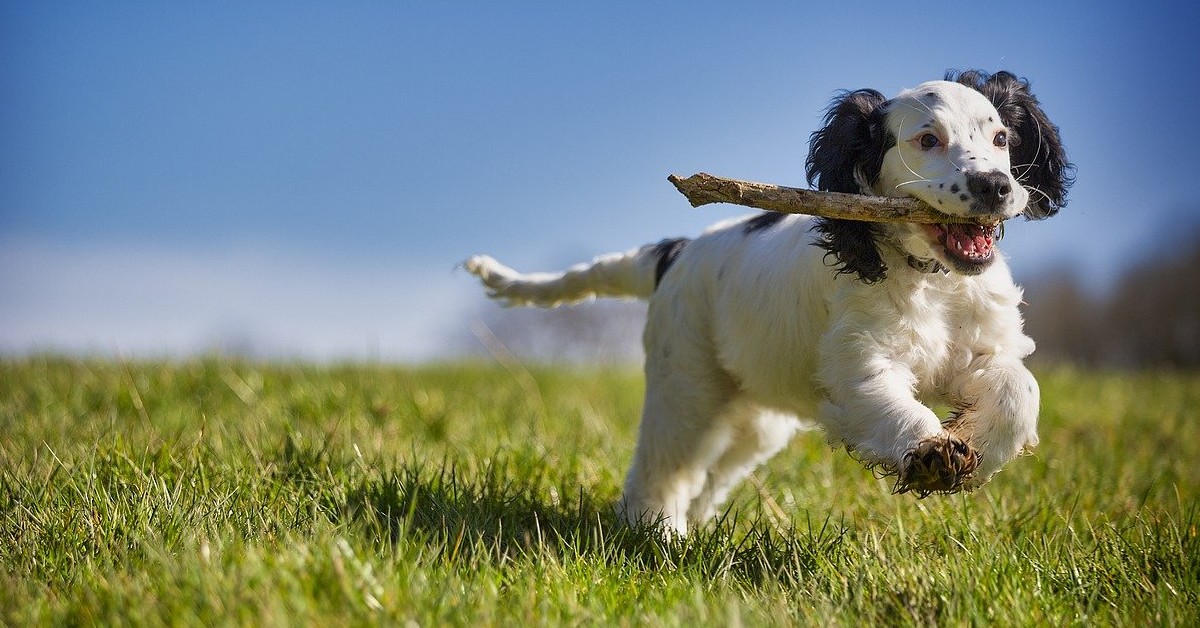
pixel 299 180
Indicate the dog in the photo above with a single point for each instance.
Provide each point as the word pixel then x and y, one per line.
pixel 860 327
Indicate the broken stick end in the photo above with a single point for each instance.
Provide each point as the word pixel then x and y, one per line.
pixel 680 183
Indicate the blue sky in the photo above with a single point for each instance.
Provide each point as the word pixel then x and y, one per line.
pixel 306 176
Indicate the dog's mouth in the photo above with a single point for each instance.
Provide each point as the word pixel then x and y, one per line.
pixel 969 247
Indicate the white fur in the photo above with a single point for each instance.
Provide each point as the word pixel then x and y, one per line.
pixel 748 330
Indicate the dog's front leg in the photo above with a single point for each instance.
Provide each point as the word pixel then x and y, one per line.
pixel 998 402
pixel 871 407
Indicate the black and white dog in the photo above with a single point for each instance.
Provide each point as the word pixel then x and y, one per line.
pixel 858 326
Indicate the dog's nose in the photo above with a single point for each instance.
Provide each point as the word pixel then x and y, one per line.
pixel 989 188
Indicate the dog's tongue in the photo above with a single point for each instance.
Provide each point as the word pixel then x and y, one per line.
pixel 968 240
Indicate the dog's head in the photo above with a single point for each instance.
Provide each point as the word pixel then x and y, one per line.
pixel 971 145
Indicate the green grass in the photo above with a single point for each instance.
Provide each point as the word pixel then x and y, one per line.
pixel 220 492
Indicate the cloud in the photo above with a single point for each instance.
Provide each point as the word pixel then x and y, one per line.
pixel 157 301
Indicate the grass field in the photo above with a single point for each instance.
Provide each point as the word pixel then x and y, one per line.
pixel 217 492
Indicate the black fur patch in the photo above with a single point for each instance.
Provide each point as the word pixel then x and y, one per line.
pixel 849 147
pixel 666 251
pixel 852 140
pixel 852 245
pixel 762 222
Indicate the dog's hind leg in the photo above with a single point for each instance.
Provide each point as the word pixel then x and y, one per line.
pixel 681 437
pixel 677 443
pixel 756 436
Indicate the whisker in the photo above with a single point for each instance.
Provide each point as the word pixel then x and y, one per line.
pixel 1034 189
pixel 924 107
pixel 909 168
pixel 904 162
pixel 1037 152
pixel 952 163
pixel 1024 173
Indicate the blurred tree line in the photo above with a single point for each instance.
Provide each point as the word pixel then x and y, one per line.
pixel 1150 318
pixel 603 331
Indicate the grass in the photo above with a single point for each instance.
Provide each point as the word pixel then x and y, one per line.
pixel 221 492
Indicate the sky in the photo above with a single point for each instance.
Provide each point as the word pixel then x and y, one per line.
pixel 301 179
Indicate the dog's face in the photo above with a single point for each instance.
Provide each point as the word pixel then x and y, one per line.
pixel 976 145
pixel 952 151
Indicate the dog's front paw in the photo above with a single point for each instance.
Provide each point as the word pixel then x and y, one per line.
pixel 940 464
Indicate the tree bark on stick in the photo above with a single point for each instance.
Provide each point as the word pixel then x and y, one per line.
pixel 702 189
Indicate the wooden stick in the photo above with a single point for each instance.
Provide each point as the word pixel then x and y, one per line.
pixel 702 189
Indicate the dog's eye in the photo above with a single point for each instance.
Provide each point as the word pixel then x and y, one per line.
pixel 1001 139
pixel 928 141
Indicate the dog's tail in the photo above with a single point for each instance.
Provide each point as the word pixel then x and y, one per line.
pixel 634 273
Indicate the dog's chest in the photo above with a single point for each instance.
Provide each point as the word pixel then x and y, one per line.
pixel 934 332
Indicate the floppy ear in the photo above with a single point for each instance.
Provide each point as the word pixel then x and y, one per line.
pixel 847 152
pixel 846 155
pixel 1039 160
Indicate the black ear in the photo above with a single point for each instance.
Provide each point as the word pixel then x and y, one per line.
pixel 1039 160
pixel 848 150
pixel 846 155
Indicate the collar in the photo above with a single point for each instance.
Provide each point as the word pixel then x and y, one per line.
pixel 919 264
pixel 927 266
